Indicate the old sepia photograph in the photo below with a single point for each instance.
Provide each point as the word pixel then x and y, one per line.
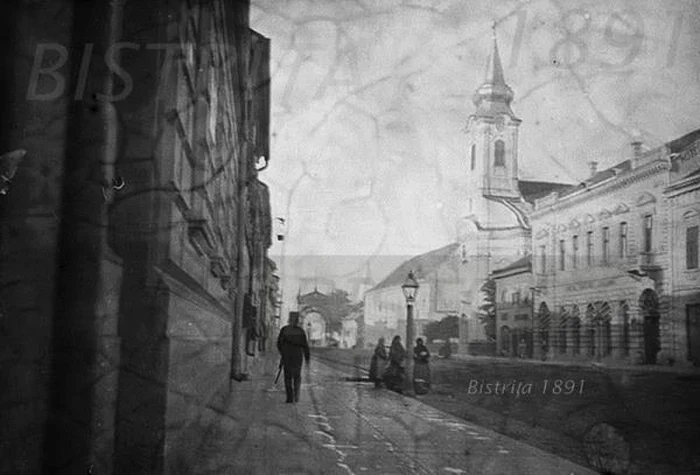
pixel 381 237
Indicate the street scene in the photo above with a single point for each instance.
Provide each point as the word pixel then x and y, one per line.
pixel 343 426
pixel 304 236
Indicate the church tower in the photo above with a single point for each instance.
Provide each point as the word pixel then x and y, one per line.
pixel 492 138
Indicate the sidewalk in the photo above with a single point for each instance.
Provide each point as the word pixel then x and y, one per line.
pixel 683 368
pixel 351 428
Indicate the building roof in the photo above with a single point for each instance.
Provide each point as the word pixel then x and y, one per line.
pixel 494 96
pixel 309 295
pixel 673 146
pixel 532 190
pixel 524 263
pixel 680 143
pixel 421 265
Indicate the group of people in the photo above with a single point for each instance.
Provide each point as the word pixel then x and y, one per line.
pixel 389 369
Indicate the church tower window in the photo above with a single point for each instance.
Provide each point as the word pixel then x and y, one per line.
pixel 499 154
pixel 473 158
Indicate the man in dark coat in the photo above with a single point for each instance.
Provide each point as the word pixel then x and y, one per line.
pixel 294 348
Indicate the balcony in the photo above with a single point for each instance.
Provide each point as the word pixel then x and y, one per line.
pixel 647 261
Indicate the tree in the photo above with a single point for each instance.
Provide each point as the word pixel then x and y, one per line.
pixel 487 310
pixel 444 329
pixel 337 306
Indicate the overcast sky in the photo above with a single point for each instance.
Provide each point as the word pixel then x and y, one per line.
pixel 370 98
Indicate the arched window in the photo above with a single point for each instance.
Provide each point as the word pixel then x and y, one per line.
pixel 473 164
pixel 543 323
pixel 575 325
pixel 499 154
pixel 563 324
pixel 505 341
pixel 604 324
pixel 624 319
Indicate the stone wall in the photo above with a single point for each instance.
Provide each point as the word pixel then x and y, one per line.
pixel 120 234
pixel 29 227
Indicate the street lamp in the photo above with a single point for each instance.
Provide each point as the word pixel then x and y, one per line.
pixel 410 290
pixel 533 310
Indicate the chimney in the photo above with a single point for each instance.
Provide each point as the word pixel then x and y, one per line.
pixel 636 148
pixel 593 165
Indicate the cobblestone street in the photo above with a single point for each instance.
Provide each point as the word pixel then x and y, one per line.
pixel 341 426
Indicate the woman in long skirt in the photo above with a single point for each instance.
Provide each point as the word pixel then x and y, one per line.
pixel 421 368
pixel 378 363
pixel 394 374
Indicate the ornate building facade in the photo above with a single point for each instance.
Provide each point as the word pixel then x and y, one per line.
pixel 683 195
pixel 603 261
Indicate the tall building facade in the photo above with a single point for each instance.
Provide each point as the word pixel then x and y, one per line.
pixel 683 195
pixel 139 222
pixel 611 274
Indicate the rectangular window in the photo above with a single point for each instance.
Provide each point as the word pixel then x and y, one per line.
pixel 606 244
pixel 543 259
pixel 562 255
pixel 648 227
pixel 623 240
pixel 574 252
pixel 589 248
pixel 516 298
pixel 691 247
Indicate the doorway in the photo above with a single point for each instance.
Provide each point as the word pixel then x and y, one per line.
pixel 692 313
pixel 649 310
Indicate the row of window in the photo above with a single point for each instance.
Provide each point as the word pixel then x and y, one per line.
pixel 499 154
pixel 517 317
pixel 622 246
pixel 692 247
pixel 515 297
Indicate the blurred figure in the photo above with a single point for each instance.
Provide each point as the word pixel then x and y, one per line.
pixel 445 349
pixel 421 369
pixel 522 348
pixel 378 364
pixel 294 349
pixel 394 374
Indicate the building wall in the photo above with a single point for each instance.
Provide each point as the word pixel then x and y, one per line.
pixel 514 314
pixel 149 236
pixel 685 289
pixel 613 286
pixel 29 230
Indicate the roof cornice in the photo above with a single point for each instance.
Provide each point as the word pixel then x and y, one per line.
pixel 620 181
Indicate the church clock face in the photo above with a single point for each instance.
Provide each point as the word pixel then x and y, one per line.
pixel 500 123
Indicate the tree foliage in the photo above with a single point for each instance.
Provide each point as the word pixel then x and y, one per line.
pixel 334 307
pixel 446 328
pixel 487 310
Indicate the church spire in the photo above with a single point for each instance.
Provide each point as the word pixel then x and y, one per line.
pixel 494 96
pixel 494 68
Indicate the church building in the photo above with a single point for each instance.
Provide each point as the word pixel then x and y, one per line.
pixel 494 230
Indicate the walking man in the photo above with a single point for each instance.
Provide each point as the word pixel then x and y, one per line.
pixel 293 348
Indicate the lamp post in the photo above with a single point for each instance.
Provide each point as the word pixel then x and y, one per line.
pixel 410 290
pixel 535 340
